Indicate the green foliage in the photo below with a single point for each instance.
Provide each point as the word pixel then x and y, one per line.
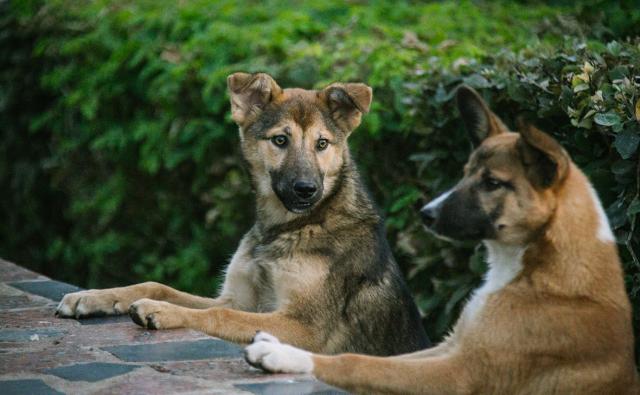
pixel 119 161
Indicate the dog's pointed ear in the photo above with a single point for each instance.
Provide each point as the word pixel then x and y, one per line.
pixel 478 119
pixel 546 162
pixel 250 93
pixel 347 102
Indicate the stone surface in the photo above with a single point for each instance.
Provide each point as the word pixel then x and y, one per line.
pixel 43 354
pixel 176 351
pixel 10 272
pixel 93 371
pixel 31 387
pixel 49 289
pixel 38 356
pixel 116 319
pixel 290 388
pixel 25 335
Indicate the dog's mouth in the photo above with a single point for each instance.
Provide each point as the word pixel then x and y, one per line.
pixel 300 207
pixel 446 231
pixel 440 236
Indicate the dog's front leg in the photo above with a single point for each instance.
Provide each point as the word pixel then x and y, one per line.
pixel 233 325
pixel 444 374
pixel 364 374
pixel 440 349
pixel 113 301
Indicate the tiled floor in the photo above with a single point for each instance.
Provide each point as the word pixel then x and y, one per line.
pixel 42 354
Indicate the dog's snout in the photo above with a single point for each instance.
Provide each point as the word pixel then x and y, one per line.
pixel 431 210
pixel 305 189
pixel 428 215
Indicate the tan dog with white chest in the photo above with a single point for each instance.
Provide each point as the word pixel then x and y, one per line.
pixel 552 316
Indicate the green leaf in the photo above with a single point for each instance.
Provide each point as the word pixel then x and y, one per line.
pixel 607 119
pixel 456 297
pixel 581 88
pixel 614 48
pixel 476 81
pixel 622 167
pixel 634 207
pixel 626 143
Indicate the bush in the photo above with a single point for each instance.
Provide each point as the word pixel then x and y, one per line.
pixel 123 149
pixel 120 163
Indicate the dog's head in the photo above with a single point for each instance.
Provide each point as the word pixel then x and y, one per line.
pixel 295 140
pixel 508 192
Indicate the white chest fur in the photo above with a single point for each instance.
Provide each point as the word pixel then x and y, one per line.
pixel 505 263
pixel 604 229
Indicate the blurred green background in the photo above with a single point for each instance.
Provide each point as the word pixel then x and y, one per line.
pixel 119 162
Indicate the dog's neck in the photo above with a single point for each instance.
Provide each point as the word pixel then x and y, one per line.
pixel 576 253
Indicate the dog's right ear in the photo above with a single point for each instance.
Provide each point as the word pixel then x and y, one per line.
pixel 250 93
pixel 478 119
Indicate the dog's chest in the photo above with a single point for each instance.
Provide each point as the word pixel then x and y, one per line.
pixel 283 273
pixel 505 263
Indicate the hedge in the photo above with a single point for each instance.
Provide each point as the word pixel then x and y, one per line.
pixel 119 162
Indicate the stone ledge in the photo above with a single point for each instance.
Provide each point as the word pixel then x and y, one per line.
pixel 42 354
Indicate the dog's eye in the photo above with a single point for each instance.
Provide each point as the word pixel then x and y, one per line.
pixel 491 184
pixel 280 140
pixel 322 144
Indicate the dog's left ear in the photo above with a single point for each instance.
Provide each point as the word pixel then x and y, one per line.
pixel 347 102
pixel 544 159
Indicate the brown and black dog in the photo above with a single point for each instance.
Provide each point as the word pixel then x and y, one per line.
pixel 552 316
pixel 316 268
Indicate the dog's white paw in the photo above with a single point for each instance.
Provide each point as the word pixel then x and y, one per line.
pixel 264 337
pixel 276 357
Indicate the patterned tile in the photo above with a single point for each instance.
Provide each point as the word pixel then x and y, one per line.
pixel 49 289
pixel 176 351
pixel 291 388
pixel 94 371
pixel 31 387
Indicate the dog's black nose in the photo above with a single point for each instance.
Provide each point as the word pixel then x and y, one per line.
pixel 428 215
pixel 305 189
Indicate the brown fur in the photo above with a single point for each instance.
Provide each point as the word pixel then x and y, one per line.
pixel 560 325
pixel 315 270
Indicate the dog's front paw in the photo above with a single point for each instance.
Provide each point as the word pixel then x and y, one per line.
pixel 91 303
pixel 264 337
pixel 276 357
pixel 154 314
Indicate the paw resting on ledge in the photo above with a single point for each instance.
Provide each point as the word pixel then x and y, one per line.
pixel 154 314
pixel 267 353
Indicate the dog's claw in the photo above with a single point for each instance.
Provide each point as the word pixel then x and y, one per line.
pixel 135 317
pixel 150 323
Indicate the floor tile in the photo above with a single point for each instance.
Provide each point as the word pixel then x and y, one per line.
pixel 291 388
pixel 49 289
pixel 176 351
pixel 21 387
pixel 94 371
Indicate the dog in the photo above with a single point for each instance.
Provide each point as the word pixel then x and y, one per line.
pixel 316 268
pixel 552 316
